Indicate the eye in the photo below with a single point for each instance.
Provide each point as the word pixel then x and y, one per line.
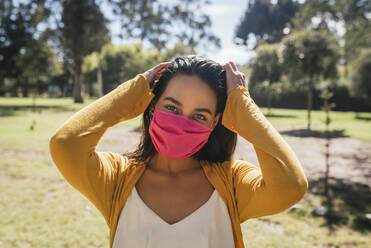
pixel 169 107
pixel 201 117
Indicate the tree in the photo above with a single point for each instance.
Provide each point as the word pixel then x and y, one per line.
pixel 361 77
pixel 353 17
pixel 327 106
pixel 162 23
pixel 82 23
pixel 81 30
pixel 120 63
pixel 307 57
pixel 38 63
pixel 18 27
pixel 266 69
pixel 265 21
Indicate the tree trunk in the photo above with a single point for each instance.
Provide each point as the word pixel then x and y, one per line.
pixel 327 172
pixel 77 87
pixel 25 89
pixel 269 99
pixel 14 90
pixel 99 79
pixel 309 106
pixel 346 71
pixel 34 100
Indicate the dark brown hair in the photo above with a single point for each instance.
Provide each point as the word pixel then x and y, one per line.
pixel 222 141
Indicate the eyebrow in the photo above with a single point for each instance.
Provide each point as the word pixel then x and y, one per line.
pixel 173 100
pixel 180 104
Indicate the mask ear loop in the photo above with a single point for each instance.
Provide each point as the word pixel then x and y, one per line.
pixel 151 111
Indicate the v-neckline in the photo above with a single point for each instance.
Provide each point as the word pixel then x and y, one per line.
pixel 180 221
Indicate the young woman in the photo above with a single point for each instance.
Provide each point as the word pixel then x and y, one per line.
pixel 181 187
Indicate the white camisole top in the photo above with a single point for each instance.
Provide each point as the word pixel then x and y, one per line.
pixel 140 227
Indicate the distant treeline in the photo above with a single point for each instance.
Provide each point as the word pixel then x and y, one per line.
pixel 298 100
pixel 64 48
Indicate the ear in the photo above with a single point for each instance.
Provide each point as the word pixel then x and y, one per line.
pixel 216 119
pixel 152 106
pixel 152 109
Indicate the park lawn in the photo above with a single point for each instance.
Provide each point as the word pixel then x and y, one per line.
pixel 16 133
pixel 346 123
pixel 16 117
pixel 38 208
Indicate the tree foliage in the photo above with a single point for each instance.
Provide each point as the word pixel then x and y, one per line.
pixel 39 64
pixel 120 63
pixel 361 77
pixel 81 31
pixel 18 28
pixel 309 56
pixel 266 65
pixel 267 71
pixel 160 23
pixel 265 20
pixel 353 17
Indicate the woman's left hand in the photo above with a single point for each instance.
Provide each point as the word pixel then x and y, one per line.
pixel 235 78
pixel 150 74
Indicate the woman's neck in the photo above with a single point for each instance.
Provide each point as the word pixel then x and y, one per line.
pixel 165 165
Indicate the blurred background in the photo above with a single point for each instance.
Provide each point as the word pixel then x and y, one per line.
pixel 309 70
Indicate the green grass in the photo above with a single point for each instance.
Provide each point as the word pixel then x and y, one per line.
pixel 50 113
pixel 287 230
pixel 346 123
pixel 38 208
pixel 15 128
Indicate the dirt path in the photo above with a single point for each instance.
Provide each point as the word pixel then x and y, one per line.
pixel 350 158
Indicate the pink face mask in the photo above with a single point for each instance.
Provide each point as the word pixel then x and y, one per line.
pixel 177 136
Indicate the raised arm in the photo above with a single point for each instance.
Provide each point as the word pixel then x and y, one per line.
pixel 72 146
pixel 280 181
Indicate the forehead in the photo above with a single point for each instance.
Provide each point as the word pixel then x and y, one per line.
pixel 191 91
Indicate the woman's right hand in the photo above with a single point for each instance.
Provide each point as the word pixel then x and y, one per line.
pixel 151 73
pixel 235 78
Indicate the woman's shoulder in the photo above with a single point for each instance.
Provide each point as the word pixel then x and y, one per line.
pixel 234 167
pixel 231 164
pixel 130 163
pixel 121 162
pixel 226 167
pixel 230 171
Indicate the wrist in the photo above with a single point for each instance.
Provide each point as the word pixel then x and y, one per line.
pixel 239 87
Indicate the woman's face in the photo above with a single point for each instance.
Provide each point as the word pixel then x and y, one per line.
pixel 190 96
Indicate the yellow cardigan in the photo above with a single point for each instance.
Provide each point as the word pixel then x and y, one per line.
pixel 107 178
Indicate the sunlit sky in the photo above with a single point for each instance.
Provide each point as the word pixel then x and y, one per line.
pixel 225 16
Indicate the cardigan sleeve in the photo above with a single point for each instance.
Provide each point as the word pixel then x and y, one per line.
pixel 72 146
pixel 280 181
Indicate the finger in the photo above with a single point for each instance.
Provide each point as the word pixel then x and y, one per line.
pixel 162 65
pixel 230 74
pixel 160 69
pixel 165 63
pixel 229 69
pixel 159 73
pixel 234 67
